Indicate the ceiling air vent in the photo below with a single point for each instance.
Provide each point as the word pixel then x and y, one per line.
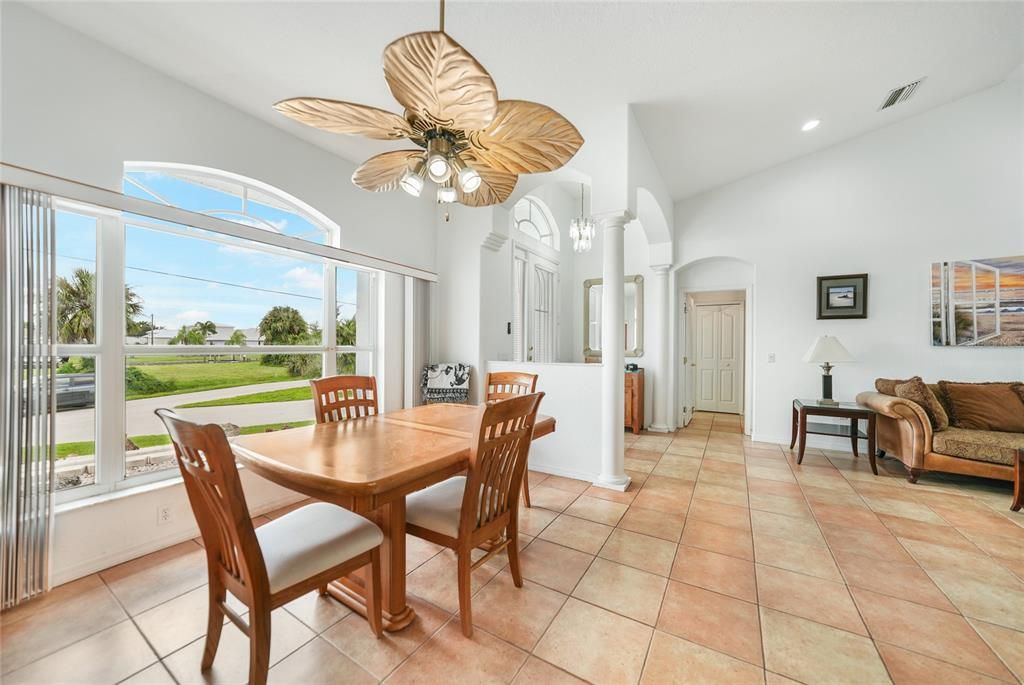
pixel 901 94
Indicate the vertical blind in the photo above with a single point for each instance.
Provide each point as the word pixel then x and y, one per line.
pixel 27 399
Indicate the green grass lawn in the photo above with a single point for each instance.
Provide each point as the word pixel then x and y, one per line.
pixel 284 395
pixel 86 447
pixel 212 376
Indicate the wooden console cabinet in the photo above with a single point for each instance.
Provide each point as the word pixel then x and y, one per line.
pixel 635 400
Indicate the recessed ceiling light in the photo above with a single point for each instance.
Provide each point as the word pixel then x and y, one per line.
pixel 810 125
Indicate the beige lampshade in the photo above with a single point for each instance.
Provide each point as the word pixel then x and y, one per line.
pixel 827 349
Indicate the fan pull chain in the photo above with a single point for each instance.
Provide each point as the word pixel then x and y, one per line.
pixel 442 16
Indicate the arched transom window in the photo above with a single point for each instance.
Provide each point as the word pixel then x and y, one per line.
pixel 533 219
pixel 228 196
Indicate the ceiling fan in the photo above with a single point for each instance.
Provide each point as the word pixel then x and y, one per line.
pixel 473 145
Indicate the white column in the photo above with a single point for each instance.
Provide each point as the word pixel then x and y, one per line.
pixel 659 335
pixel 613 473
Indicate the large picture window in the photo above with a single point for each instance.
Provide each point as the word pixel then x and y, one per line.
pixel 220 328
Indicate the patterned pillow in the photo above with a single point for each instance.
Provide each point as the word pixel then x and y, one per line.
pixel 887 386
pixel 916 391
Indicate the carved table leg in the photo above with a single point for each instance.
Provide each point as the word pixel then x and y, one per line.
pixel 793 427
pixel 854 430
pixel 871 444
pixel 803 436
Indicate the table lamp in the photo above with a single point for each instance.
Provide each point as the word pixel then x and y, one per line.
pixel 827 350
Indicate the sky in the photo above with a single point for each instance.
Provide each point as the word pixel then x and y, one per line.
pixel 1011 274
pixel 184 279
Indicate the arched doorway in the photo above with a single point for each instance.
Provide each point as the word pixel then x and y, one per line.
pixel 715 341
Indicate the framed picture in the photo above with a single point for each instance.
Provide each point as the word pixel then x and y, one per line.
pixel 978 302
pixel 843 297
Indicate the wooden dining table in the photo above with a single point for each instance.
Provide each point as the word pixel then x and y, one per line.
pixel 368 465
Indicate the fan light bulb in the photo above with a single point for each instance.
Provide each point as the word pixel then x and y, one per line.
pixel 446 194
pixel 412 180
pixel 469 179
pixel 438 167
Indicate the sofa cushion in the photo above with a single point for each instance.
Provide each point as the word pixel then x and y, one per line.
pixel 984 406
pixel 887 386
pixel 916 391
pixel 995 447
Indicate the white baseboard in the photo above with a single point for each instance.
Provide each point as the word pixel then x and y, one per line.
pixel 818 441
pixel 565 473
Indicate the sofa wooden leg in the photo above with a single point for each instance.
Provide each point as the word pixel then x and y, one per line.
pixel 914 474
pixel 1018 482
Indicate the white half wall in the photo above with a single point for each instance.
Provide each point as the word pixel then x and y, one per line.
pixel 91 535
pixel 572 395
pixel 946 184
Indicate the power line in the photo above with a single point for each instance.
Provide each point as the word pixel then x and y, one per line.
pixel 210 280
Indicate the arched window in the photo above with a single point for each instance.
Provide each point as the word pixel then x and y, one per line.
pixel 228 196
pixel 532 218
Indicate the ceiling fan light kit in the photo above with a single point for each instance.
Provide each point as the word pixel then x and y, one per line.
pixel 473 145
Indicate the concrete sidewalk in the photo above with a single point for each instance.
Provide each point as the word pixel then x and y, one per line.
pixel 80 424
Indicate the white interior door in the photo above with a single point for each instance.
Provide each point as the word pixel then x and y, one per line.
pixel 534 307
pixel 543 331
pixel 718 358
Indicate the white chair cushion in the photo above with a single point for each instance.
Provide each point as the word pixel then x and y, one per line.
pixel 308 541
pixel 437 508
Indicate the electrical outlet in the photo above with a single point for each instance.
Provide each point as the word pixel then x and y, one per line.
pixel 771 357
pixel 163 516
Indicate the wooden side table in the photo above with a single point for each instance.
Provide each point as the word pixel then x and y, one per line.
pixel 847 410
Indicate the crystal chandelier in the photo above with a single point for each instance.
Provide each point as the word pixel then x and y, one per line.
pixel 581 229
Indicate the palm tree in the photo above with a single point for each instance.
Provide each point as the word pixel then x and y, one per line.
pixel 237 338
pixel 346 331
pixel 76 312
pixel 187 336
pixel 76 307
pixel 206 328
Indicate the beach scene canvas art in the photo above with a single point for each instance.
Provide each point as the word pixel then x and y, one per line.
pixel 978 302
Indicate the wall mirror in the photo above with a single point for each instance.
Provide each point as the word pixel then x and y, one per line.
pixel 633 331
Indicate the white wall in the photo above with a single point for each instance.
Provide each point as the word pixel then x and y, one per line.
pixel 89 536
pixel 946 184
pixel 73 107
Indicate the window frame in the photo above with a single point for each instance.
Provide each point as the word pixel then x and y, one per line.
pixel 111 351
pixel 547 240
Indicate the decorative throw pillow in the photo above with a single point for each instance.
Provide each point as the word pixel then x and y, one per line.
pixel 916 391
pixel 985 406
pixel 887 386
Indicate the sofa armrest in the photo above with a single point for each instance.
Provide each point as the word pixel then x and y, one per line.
pixel 903 427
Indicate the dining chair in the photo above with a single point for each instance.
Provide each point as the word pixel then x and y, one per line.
pixel 339 398
pixel 502 385
pixel 268 567
pixel 481 509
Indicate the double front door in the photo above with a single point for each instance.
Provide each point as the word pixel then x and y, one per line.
pixel 718 358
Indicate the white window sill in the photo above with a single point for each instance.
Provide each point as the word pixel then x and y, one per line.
pixel 117 494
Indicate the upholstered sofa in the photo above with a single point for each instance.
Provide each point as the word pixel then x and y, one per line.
pixel 903 430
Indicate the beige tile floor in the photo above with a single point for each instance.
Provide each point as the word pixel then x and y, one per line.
pixel 724 562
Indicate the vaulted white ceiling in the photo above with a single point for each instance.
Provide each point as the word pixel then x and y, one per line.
pixel 719 89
